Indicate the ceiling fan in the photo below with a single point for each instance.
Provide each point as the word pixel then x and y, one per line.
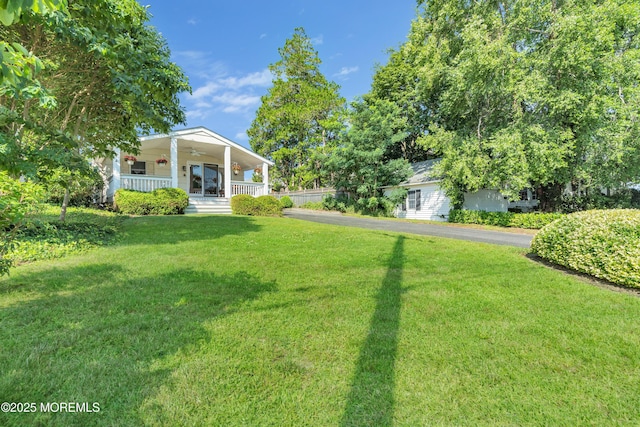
pixel 196 153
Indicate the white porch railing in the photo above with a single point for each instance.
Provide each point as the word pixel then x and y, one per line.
pixel 144 182
pixel 149 183
pixel 254 189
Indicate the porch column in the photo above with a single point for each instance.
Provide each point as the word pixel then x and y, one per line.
pixel 116 181
pixel 227 172
pixel 174 162
pixel 265 178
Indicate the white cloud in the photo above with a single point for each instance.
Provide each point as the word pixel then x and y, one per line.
pixel 217 89
pixel 261 78
pixel 196 114
pixel 231 94
pixel 203 105
pixel 317 41
pixel 263 36
pixel 206 90
pixel 241 136
pixel 345 71
pixel 192 22
pixel 191 54
pixel 197 63
pixel 232 102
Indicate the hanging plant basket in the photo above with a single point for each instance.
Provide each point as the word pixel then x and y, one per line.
pixel 162 162
pixel 130 160
pixel 236 168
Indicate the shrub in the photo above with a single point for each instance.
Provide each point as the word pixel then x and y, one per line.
pixel 268 206
pixel 243 204
pixel 286 202
pixel 131 202
pixel 376 206
pixel 84 189
pixel 534 220
pixel 45 237
pixel 387 206
pixel 602 243
pixel 169 201
pixel 331 203
pixel 163 201
pixel 17 201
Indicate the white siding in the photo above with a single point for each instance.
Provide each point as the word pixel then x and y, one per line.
pixel 434 204
pixel 485 200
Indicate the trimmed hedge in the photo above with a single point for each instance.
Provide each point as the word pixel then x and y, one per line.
pixel 602 243
pixel 286 202
pixel 243 204
pixel 534 220
pixel 163 201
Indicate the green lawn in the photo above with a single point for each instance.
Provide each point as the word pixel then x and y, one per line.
pixel 272 321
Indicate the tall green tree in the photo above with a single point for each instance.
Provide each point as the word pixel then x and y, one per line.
pixel 397 82
pixel 298 120
pixel 18 66
pixel 363 162
pixel 524 93
pixel 18 69
pixel 111 78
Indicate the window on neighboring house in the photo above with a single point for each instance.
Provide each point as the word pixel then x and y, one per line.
pixel 413 199
pixel 139 168
pixel 527 194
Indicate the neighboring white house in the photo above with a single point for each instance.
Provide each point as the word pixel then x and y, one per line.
pixel 427 200
pixel 208 166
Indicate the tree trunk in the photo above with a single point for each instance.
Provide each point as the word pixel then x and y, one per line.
pixel 65 203
pixel 550 196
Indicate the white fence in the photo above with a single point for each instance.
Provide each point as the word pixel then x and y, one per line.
pixel 303 196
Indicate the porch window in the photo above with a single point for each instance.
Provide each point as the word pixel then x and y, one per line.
pixel 139 168
pixel 413 197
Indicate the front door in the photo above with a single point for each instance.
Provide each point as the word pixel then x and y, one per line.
pixel 204 180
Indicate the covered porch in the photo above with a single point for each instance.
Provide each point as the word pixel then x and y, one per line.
pixel 204 164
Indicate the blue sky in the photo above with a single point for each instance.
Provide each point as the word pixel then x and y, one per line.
pixel 225 48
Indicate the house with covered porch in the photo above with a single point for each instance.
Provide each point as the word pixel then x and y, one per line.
pixel 208 166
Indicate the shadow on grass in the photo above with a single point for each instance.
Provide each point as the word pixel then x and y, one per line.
pixel 370 401
pixel 106 340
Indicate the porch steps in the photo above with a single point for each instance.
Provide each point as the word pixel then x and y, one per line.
pixel 208 206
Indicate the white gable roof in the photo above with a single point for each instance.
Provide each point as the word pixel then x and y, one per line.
pixel 203 135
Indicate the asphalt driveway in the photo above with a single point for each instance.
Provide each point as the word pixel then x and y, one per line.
pixel 460 233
